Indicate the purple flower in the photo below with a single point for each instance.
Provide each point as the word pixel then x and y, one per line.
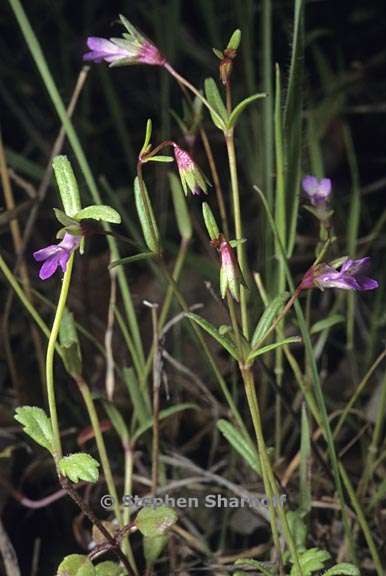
pixel 317 191
pixel 351 276
pixel 56 255
pixel 191 177
pixel 132 48
pixel 103 49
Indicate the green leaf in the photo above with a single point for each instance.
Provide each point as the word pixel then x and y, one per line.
pixel 327 323
pixel 67 184
pixel 109 568
pixel 180 207
pixel 240 444
pixel 162 415
pixel 241 107
pixel 160 159
pixel 99 212
pixel 69 344
pixel 212 330
pixel 117 420
pixel 149 128
pixel 152 548
pixel 234 40
pixel 293 123
pixel 213 96
pixel 298 529
pixel 146 217
pixel 76 565
pixel 64 219
pixel 218 53
pixel 152 522
pixel 344 569
pixel 305 463
pixel 311 561
pixel 210 222
pixel 79 466
pixel 36 424
pixel 141 410
pixel 134 258
pixel 270 347
pixel 267 318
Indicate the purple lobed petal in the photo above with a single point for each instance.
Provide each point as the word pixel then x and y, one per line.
pixel 49 267
pixel 45 253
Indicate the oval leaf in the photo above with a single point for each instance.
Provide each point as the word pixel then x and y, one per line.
pixel 146 217
pixel 36 424
pixel 76 565
pixel 152 548
pixel 153 522
pixel 109 568
pixel 99 212
pixel 67 184
pixel 79 466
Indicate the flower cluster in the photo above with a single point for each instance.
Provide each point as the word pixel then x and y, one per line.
pixel 132 48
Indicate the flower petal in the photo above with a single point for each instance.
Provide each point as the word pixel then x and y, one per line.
pixel 45 253
pixel 49 267
pixel 310 184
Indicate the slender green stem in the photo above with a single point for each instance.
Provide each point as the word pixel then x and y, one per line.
pixel 270 484
pixel 229 139
pixel 92 413
pixel 50 359
pixel 362 521
pixel 180 79
pixel 228 396
pixel 235 325
pixel 101 446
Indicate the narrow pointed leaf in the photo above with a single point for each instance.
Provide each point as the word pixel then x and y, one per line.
pixel 270 347
pixel 166 413
pixel 267 318
pixel 240 444
pixel 241 107
pixel 327 323
pixel 130 259
pixel 161 159
pixel 212 330
pixel 214 98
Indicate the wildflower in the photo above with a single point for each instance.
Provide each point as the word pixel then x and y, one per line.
pixel 191 177
pixel 317 191
pixel 132 48
pixel 351 276
pixel 230 273
pixel 56 255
